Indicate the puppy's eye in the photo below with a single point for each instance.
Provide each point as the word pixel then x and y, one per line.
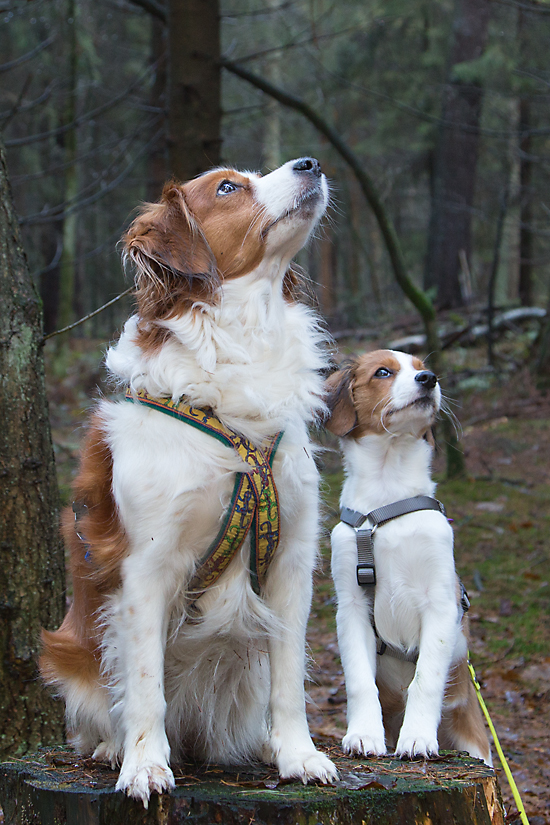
pixel 382 372
pixel 226 187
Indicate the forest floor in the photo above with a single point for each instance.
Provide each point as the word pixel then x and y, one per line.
pixel 501 520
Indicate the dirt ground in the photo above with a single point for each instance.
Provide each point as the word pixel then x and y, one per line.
pixel 502 525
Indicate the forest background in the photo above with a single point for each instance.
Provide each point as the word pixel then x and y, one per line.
pixel 445 105
pixel 432 122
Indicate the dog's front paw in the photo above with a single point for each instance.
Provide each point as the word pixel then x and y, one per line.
pixel 139 780
pixel 412 744
pixel 364 744
pixel 308 765
pixel 106 752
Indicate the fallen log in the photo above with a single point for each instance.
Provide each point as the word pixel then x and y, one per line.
pixel 58 787
pixel 471 333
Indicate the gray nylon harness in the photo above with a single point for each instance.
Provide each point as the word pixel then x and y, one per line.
pixel 366 572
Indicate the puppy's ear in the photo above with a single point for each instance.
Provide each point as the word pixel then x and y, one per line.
pixel 173 262
pixel 339 400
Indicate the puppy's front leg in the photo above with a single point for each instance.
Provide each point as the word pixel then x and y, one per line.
pixel 357 643
pixel 143 619
pixel 418 735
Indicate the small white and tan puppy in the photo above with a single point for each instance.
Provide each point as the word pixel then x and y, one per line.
pixel 403 640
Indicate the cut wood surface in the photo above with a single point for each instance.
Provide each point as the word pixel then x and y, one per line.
pixel 57 786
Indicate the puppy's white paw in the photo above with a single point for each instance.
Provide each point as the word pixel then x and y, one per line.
pixel 412 744
pixel 364 744
pixel 307 765
pixel 106 752
pixel 139 780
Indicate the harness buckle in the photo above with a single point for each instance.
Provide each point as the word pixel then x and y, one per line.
pixel 366 574
pixel 464 599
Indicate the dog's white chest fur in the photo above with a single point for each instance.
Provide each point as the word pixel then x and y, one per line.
pixel 413 554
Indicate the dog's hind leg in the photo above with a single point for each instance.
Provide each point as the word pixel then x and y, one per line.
pixel 462 727
pixel 73 670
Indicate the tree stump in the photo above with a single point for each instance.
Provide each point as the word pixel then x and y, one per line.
pixel 57 787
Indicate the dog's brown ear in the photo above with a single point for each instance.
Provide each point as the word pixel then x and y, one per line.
pixel 173 261
pixel 339 400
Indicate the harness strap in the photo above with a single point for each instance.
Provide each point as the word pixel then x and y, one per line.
pixel 366 573
pixel 395 652
pixel 254 504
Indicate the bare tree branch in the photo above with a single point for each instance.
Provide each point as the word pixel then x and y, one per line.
pixel 81 204
pixel 417 296
pixel 90 315
pixel 5 67
pixel 61 209
pixel 26 107
pixel 436 119
pixel 108 243
pixel 60 130
pixel 154 8
pixel 17 105
pixel 529 5
pixel 295 44
pixel 60 167
pixel 268 11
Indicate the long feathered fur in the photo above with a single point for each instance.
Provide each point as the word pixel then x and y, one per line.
pixel 143 678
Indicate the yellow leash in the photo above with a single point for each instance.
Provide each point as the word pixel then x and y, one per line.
pixel 503 762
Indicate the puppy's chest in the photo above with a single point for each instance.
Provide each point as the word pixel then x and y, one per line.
pixel 414 566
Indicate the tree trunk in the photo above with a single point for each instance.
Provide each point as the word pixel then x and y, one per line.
pixel 455 160
pixel 272 118
pixel 157 166
pixel 32 571
pixel 69 231
pixel 327 271
pixel 540 365
pixel 194 83
pixel 525 287
pixel 62 789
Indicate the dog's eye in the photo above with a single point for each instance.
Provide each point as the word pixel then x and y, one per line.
pixel 226 187
pixel 382 372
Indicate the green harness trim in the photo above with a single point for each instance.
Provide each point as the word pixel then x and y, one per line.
pixel 254 505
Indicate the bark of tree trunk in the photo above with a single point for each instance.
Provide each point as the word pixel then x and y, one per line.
pixel 449 232
pixel 194 82
pixel 32 566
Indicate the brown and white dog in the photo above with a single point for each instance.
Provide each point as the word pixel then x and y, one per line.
pixel 216 324
pixel 382 407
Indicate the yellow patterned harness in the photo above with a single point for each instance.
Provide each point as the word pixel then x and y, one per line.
pixel 254 505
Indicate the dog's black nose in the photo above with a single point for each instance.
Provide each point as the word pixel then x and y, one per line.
pixel 427 378
pixel 309 165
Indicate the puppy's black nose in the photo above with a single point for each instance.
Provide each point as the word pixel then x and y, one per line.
pixel 309 165
pixel 427 378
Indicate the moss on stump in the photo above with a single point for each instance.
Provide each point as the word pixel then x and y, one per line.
pixel 57 787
